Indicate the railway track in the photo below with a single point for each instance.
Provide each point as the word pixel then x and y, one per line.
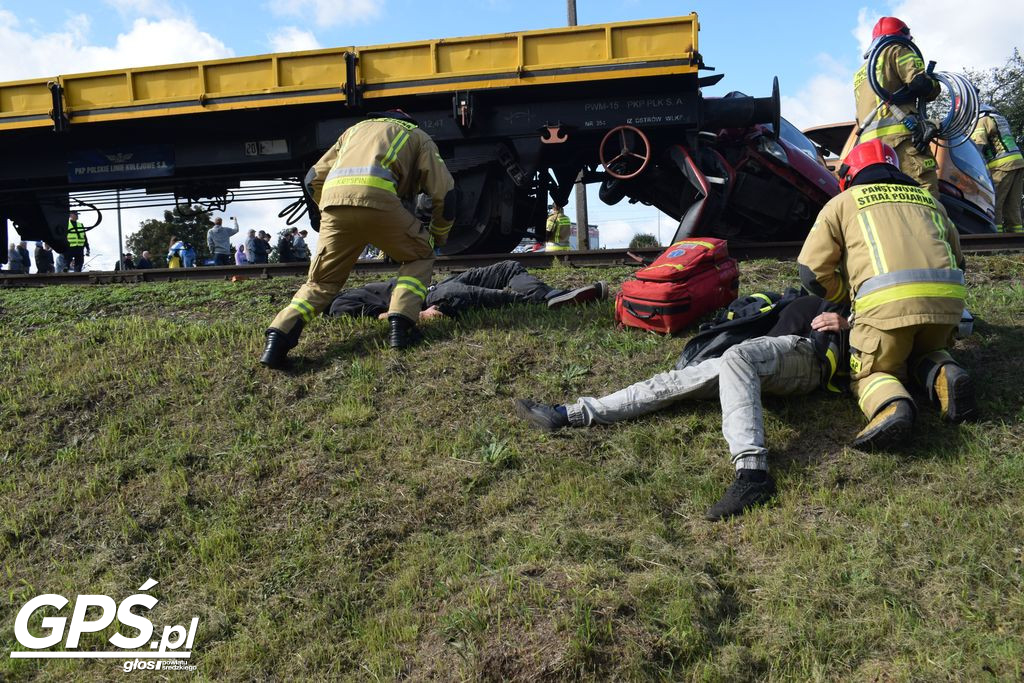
pixel 972 244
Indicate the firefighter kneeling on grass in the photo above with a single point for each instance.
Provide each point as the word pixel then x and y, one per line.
pixel 359 185
pixel 885 243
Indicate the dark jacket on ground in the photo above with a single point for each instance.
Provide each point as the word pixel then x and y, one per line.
pixel 492 286
pixel 789 314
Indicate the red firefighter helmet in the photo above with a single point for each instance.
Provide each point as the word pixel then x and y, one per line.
pixel 889 26
pixel 863 155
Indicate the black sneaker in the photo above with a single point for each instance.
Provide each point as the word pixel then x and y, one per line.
pixel 540 415
pixel 889 428
pixel 743 494
pixel 581 295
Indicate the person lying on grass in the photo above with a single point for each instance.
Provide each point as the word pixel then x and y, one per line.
pixel 798 354
pixel 494 286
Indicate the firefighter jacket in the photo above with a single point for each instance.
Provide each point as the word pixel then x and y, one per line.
pixel 558 226
pixel 379 162
pixel 897 66
pixel 891 249
pixel 76 234
pixel 995 139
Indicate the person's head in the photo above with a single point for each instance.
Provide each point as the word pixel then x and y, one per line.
pixel 294 231
pixel 21 244
pixel 241 248
pixel 252 233
pixel 145 254
pixel 555 208
pixel 890 26
pixel 217 222
pixel 303 233
pixel 865 155
pixel 12 247
pixel 39 244
pixel 73 215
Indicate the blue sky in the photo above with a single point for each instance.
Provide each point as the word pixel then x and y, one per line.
pixel 814 47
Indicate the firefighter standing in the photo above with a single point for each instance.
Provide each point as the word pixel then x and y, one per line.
pixel 898 67
pixel 559 227
pixel 994 138
pixel 889 246
pixel 78 243
pixel 359 185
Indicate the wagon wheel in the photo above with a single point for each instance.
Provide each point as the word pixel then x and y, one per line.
pixel 632 156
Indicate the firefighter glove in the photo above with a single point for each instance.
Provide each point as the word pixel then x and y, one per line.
pixel 924 133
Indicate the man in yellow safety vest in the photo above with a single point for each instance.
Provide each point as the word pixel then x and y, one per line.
pixel 78 243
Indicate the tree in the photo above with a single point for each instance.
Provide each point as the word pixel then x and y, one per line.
pixel 185 223
pixel 1003 88
pixel 643 239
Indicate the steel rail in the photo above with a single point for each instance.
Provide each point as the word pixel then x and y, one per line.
pixel 599 258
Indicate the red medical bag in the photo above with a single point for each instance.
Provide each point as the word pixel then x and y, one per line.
pixel 692 277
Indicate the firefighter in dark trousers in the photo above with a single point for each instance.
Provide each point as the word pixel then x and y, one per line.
pixel 887 245
pixel 898 67
pixel 994 138
pixel 78 243
pixel 359 185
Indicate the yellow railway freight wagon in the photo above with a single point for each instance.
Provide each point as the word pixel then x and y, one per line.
pixel 517 116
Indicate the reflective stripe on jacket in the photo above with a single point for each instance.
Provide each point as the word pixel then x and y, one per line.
pixel 379 162
pixel 995 139
pixel 76 234
pixel 892 250
pixel 896 67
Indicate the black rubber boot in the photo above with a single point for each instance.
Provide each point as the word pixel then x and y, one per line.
pixel 275 353
pixel 889 427
pixel 404 332
pixel 581 295
pixel 749 488
pixel 541 415
pixel 953 390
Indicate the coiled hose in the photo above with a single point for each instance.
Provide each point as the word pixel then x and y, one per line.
pixel 962 117
pixel 965 106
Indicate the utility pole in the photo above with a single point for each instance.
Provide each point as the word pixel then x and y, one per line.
pixel 120 242
pixel 582 222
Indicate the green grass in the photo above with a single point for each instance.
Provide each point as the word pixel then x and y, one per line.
pixel 372 515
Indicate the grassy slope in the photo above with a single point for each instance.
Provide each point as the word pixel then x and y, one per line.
pixel 374 515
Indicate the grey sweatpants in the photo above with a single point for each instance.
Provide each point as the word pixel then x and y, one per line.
pixel 781 366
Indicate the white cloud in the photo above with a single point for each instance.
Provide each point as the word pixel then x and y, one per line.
pixel 143 8
pixel 330 12
pixel 826 98
pixel 33 54
pixel 293 39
